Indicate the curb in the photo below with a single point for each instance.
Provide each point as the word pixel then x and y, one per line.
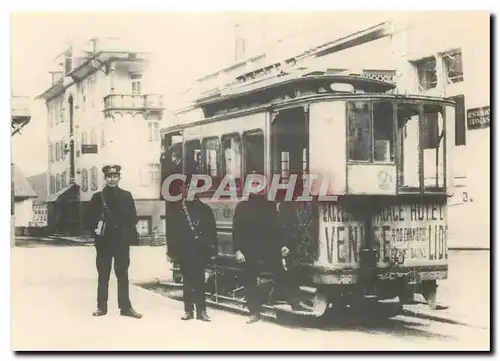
pixel 83 241
pixel 444 319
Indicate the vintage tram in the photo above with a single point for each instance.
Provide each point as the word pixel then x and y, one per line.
pixel 381 238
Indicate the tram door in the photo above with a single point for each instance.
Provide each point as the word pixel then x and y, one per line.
pixel 290 144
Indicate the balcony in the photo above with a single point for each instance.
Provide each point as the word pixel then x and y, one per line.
pixel 146 102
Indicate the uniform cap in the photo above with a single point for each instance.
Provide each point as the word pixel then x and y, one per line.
pixel 111 169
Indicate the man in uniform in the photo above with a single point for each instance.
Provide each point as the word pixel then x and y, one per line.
pixel 191 241
pixel 259 239
pixel 112 218
pixel 256 239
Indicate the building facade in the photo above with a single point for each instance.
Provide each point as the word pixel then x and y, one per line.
pixel 99 112
pixel 439 55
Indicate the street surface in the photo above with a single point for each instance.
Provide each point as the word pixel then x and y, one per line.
pixel 54 292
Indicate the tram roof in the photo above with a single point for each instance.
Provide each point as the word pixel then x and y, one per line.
pixel 302 77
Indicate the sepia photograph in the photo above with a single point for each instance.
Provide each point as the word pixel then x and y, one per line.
pixel 250 181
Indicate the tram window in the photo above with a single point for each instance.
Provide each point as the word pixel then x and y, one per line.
pixel 383 131
pixel 193 157
pixel 408 140
pixel 359 137
pixel 433 145
pixel 231 147
pixel 254 152
pixel 211 157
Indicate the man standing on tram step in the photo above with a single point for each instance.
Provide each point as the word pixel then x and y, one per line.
pixel 257 237
pixel 191 233
pixel 112 219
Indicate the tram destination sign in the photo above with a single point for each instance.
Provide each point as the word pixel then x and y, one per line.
pixel 478 118
pixel 411 234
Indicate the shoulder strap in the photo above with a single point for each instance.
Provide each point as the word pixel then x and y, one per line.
pixel 184 207
pixel 103 200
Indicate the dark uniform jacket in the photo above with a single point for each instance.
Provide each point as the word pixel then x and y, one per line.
pixel 181 242
pixel 121 218
pixel 257 230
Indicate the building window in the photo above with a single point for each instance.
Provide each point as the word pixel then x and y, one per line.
pixel 85 180
pixel 453 67
pixel 103 136
pixel 51 153
pixel 136 83
pixel 63 180
pixel 58 182
pixel 154 176
pixel 154 131
pixel 460 120
pixel 63 150
pixel 58 152
pixel 143 226
pixel 94 182
pixel 426 72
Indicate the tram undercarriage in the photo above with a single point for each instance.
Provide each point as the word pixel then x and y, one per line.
pixel 224 289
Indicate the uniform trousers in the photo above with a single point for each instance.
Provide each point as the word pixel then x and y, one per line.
pixel 285 283
pixel 108 249
pixel 193 279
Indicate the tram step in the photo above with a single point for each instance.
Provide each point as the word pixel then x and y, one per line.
pixel 288 309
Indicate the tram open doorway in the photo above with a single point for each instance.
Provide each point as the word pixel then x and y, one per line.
pixel 290 143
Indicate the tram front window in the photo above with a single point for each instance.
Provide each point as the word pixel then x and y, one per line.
pixel 421 127
pixel 371 141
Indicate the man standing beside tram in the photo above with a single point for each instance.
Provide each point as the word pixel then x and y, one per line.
pixel 260 244
pixel 191 241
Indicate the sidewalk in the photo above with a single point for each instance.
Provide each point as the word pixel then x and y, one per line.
pixel 466 291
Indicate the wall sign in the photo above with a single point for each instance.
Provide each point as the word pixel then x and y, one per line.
pixel 478 118
pixel 89 148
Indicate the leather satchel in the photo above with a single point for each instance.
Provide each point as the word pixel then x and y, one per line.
pixel 102 224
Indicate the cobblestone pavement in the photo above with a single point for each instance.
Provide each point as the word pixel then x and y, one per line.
pixel 53 296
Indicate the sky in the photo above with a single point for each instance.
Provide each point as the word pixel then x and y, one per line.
pixel 183 46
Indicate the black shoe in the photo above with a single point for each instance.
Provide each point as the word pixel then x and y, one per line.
pixel 130 313
pixel 253 319
pixel 203 316
pixel 187 316
pixel 99 312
